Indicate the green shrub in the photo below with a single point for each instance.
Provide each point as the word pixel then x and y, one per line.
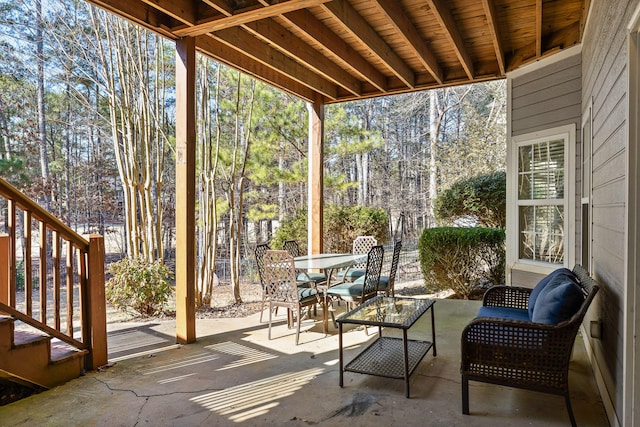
pixel 462 259
pixel 342 224
pixel 139 285
pixel 291 228
pixel 483 197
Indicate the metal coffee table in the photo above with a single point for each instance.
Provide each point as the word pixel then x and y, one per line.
pixel 388 356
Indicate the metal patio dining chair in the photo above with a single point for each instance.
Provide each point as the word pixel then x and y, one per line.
pixel 361 245
pixel 292 247
pixel 283 290
pixel 259 255
pixel 387 283
pixel 363 288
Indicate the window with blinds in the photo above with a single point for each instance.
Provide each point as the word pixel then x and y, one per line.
pixel 541 201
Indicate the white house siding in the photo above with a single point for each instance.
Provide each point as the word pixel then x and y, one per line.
pixel 544 98
pixel 605 82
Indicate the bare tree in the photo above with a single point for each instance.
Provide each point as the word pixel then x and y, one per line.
pixel 234 175
pixel 134 70
pixel 208 144
pixel 42 129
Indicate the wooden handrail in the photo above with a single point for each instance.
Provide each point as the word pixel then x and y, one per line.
pixel 42 327
pixel 84 268
pixel 39 213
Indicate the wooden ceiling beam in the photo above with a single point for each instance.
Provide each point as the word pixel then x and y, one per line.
pixel 494 29
pixel 355 23
pixel 221 6
pixel 138 12
pixel 236 59
pixel 284 40
pixel 273 33
pixel 443 15
pixel 305 22
pixel 409 33
pixel 180 10
pixel 561 39
pixel 266 55
pixel 538 28
pixel 246 16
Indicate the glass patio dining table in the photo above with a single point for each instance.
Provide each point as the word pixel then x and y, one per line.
pixel 328 263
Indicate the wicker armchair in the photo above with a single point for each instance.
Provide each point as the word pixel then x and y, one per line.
pixel 522 354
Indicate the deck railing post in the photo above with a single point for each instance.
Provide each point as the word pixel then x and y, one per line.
pixel 96 300
pixel 5 245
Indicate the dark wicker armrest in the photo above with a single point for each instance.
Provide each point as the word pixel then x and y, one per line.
pixel 507 296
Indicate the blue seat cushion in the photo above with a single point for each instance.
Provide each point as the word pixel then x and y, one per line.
pixel 306 294
pixel 383 283
pixel 314 277
pixel 543 283
pixel 558 301
pixel 351 275
pixel 347 289
pixel 504 313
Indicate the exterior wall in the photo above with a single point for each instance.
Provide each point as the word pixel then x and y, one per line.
pixel 605 83
pixel 542 96
pixel 546 96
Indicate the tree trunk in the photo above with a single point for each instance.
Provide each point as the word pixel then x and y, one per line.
pixel 136 107
pixel 433 151
pixel 42 128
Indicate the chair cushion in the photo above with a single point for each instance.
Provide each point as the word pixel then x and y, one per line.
pixel 351 274
pixel 383 283
pixel 504 313
pixel 314 277
pixel 306 294
pixel 347 289
pixel 543 283
pixel 558 301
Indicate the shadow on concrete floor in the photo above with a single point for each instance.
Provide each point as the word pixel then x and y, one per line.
pixel 234 376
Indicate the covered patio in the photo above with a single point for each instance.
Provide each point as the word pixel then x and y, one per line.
pixel 239 377
pixel 328 51
pixel 572 65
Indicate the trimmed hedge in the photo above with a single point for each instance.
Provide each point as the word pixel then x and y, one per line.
pixel 342 224
pixel 462 259
pixel 482 197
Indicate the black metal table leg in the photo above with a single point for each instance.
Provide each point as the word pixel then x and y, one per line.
pixel 433 331
pixel 406 363
pixel 340 346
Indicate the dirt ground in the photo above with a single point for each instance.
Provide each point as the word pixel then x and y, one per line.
pixel 223 303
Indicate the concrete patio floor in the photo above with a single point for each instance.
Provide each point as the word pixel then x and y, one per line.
pixel 234 375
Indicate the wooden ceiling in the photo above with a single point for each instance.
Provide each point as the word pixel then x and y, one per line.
pixel 338 50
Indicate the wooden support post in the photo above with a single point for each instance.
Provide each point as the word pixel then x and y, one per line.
pixel 315 203
pixel 185 190
pixel 97 310
pixel 5 247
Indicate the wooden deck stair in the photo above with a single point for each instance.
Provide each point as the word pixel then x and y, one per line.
pixel 36 359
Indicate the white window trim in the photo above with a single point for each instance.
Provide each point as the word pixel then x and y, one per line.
pixel 587 149
pixel 568 133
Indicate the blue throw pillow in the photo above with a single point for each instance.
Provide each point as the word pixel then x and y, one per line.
pixel 558 301
pixel 542 284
